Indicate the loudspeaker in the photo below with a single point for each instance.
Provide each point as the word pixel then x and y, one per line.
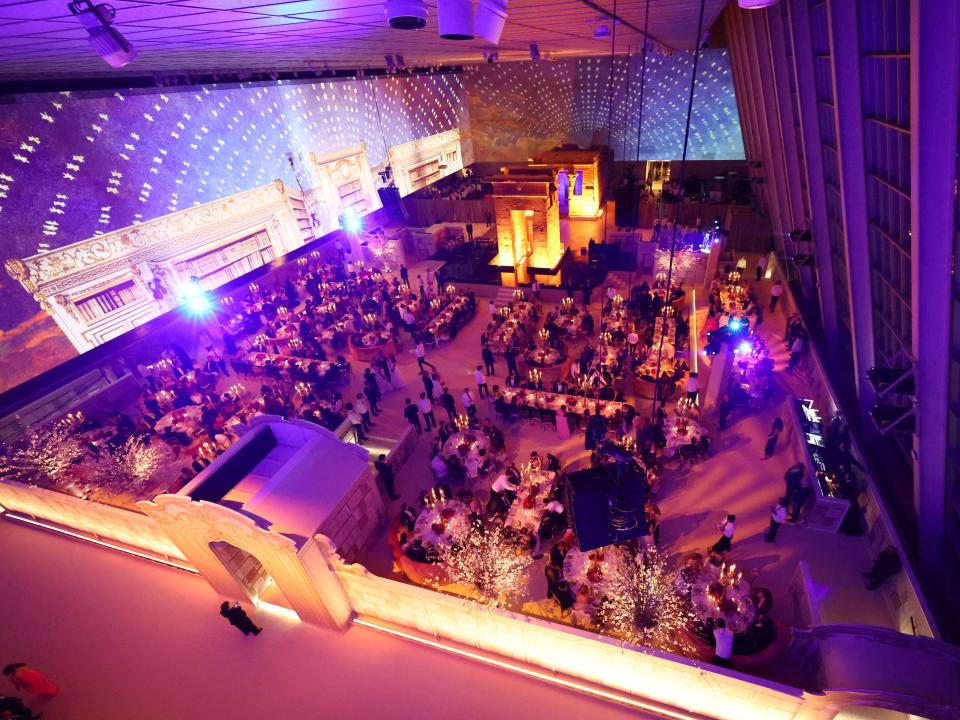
pixel 390 199
pixel 626 209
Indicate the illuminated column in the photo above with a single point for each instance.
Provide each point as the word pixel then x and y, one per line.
pixel 845 46
pixel 934 86
pixel 806 94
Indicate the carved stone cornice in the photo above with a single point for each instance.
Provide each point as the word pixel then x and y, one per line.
pixel 136 243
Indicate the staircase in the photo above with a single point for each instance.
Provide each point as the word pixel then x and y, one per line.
pixel 504 296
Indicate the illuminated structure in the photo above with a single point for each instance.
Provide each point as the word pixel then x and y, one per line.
pixel 419 163
pixel 528 226
pixel 343 182
pixel 100 288
pixel 580 176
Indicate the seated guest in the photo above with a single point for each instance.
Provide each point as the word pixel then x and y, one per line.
pixel 439 466
pixel 416 551
pixel 408 516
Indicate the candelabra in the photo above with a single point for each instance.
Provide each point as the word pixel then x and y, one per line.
pixel 504 311
pixel 567 303
pixel 462 422
pixel 314 254
pixel 535 375
pixel 370 319
pixel 518 294
pixel 253 288
pixel 301 261
pixel 544 334
pixel 451 290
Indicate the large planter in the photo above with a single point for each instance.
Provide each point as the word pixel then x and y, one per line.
pixel 429 574
pixel 548 373
pixel 649 389
pixel 366 353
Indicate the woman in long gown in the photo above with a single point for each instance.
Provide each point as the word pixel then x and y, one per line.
pixel 382 369
pixel 396 379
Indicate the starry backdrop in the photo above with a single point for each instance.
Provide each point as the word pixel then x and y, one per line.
pixel 520 109
pixel 76 165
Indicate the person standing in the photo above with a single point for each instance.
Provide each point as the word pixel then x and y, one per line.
pixel 771 445
pixel 412 416
pixel 481 381
pixel 426 407
pixel 778 514
pixel 776 292
pixel 726 405
pixel 792 478
pixel 510 355
pixel 357 421
pixel 427 384
pixel 404 275
pixel 31 680
pixel 723 638
pixel 795 351
pixel 238 617
pixel 761 265
pixel 487 354
pixel 449 403
pixel 535 288
pixel 492 307
pixel 361 407
pixel 469 229
pixel 727 528
pixel 421 353
pixel 385 472
pixel 801 496
pixel 468 402
pixel 693 388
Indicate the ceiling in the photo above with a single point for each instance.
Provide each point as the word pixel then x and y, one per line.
pixel 40 38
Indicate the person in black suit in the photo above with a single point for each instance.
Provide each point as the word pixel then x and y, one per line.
pixel 238 617
pixel 386 475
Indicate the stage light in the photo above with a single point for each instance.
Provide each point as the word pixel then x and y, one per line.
pixel 351 221
pixel 735 324
pixel 406 14
pixel 195 300
pixel 490 18
pixel 455 19
pixel 744 348
pixel 113 47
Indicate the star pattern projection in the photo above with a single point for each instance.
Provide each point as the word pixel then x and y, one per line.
pixel 77 165
pixel 578 100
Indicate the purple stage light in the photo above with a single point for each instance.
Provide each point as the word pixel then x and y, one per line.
pixel 196 301
pixel 351 222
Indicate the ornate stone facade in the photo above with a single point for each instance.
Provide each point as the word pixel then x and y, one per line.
pixel 419 163
pixel 99 288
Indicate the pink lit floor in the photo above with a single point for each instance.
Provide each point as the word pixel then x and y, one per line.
pixel 125 638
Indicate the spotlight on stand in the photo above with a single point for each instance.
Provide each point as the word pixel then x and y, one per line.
pixel 113 47
pixel 490 18
pixel 887 380
pixel 406 14
pixel 534 51
pixel 351 221
pixel 195 300
pixel 894 418
pixel 455 19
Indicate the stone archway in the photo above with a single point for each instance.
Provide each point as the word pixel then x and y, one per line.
pixel 193 526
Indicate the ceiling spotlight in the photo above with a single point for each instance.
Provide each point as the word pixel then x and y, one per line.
pixel 455 18
pixel 406 14
pixel 106 40
pixel 601 31
pixel 490 18
pixel 756 4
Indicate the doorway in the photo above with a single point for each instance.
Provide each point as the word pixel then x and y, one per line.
pixel 245 568
pixel 563 193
